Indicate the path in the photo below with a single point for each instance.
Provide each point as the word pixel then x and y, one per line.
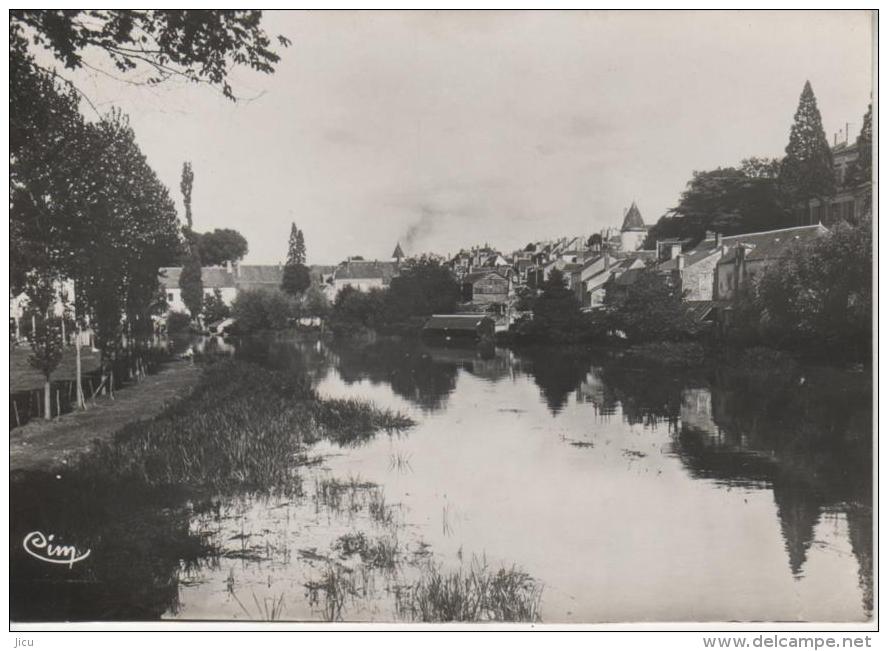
pixel 44 445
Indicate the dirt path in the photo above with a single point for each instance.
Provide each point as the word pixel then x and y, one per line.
pixel 42 445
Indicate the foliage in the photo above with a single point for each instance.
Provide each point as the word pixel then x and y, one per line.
pixel 221 245
pixel 861 170
pixel 355 310
pixel 296 246
pixel 726 200
pixel 196 45
pixel 84 204
pixel 186 185
pixel 820 294
pixel 215 308
pixel 46 340
pixel 423 287
pixel 648 309
pixel 264 309
pixel 177 322
pixel 296 279
pixel 191 285
pixel 807 169
pixel 315 303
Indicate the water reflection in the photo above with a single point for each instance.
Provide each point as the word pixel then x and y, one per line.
pixel 513 449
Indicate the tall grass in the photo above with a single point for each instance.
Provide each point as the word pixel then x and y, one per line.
pixel 470 594
pixel 243 426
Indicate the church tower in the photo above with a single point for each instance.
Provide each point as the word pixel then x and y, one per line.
pixel 398 253
pixel 634 231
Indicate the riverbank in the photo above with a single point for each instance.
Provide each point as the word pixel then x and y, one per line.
pixel 45 445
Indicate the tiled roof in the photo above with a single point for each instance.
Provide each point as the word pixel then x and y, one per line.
pixel 211 277
pixel 690 258
pixel 362 269
pixel 455 321
pixel 259 274
pixel 478 275
pixel 770 244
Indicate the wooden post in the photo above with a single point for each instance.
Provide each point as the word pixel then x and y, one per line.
pixel 64 341
pixel 80 402
pixel 58 405
pixel 33 326
pixel 47 401
pixel 15 408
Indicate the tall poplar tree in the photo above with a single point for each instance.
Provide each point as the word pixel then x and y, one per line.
pixel 807 170
pixel 297 277
pixel 190 281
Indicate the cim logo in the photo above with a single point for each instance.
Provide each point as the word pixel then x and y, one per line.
pixel 40 547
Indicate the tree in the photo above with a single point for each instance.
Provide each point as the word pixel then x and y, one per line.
pixel 197 45
pixel 214 307
pixel 297 277
pixel 726 200
pixel 191 285
pixel 423 287
pixel 220 246
pixel 807 169
pixel 861 171
pixel 820 294
pixel 186 185
pixel 315 303
pixel 649 309
pixel 556 308
pixel 46 339
pixel 264 309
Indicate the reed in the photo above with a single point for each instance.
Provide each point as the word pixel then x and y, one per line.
pixel 470 594
pixel 243 426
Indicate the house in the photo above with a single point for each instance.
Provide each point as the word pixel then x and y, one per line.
pixel 745 257
pixel 851 200
pixel 693 272
pixel 362 275
pixel 230 280
pixel 459 325
pixel 486 287
pixel 213 278
pixel 595 278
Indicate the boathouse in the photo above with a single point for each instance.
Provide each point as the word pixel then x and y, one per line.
pixel 450 326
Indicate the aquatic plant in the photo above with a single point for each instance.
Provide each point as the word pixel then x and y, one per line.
pixel 243 426
pixel 470 594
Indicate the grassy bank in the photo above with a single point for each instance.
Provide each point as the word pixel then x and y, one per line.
pixel 243 426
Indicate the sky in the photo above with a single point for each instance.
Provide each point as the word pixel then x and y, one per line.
pixel 442 130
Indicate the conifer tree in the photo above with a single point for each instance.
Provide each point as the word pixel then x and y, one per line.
pixel 297 277
pixel 807 170
pixel 861 170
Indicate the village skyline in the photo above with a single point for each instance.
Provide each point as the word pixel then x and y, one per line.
pixel 549 141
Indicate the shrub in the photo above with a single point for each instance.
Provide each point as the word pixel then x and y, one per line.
pixel 178 322
pixel 264 309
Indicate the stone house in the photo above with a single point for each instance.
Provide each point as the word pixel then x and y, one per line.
pixel 362 275
pixel 487 287
pixel 745 257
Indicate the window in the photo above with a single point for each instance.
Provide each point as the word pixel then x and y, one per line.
pixel 170 297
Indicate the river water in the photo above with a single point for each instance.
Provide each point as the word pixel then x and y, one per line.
pixel 738 492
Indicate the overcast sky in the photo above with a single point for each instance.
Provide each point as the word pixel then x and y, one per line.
pixel 444 130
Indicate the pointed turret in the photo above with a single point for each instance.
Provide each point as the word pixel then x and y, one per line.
pixel 633 221
pixel 398 253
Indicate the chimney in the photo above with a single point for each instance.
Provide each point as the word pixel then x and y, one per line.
pixel 674 250
pixel 710 235
pixel 228 267
pixel 835 139
pixel 718 240
pixel 846 133
pixel 680 261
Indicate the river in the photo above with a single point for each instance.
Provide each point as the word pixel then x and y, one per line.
pixel 737 492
